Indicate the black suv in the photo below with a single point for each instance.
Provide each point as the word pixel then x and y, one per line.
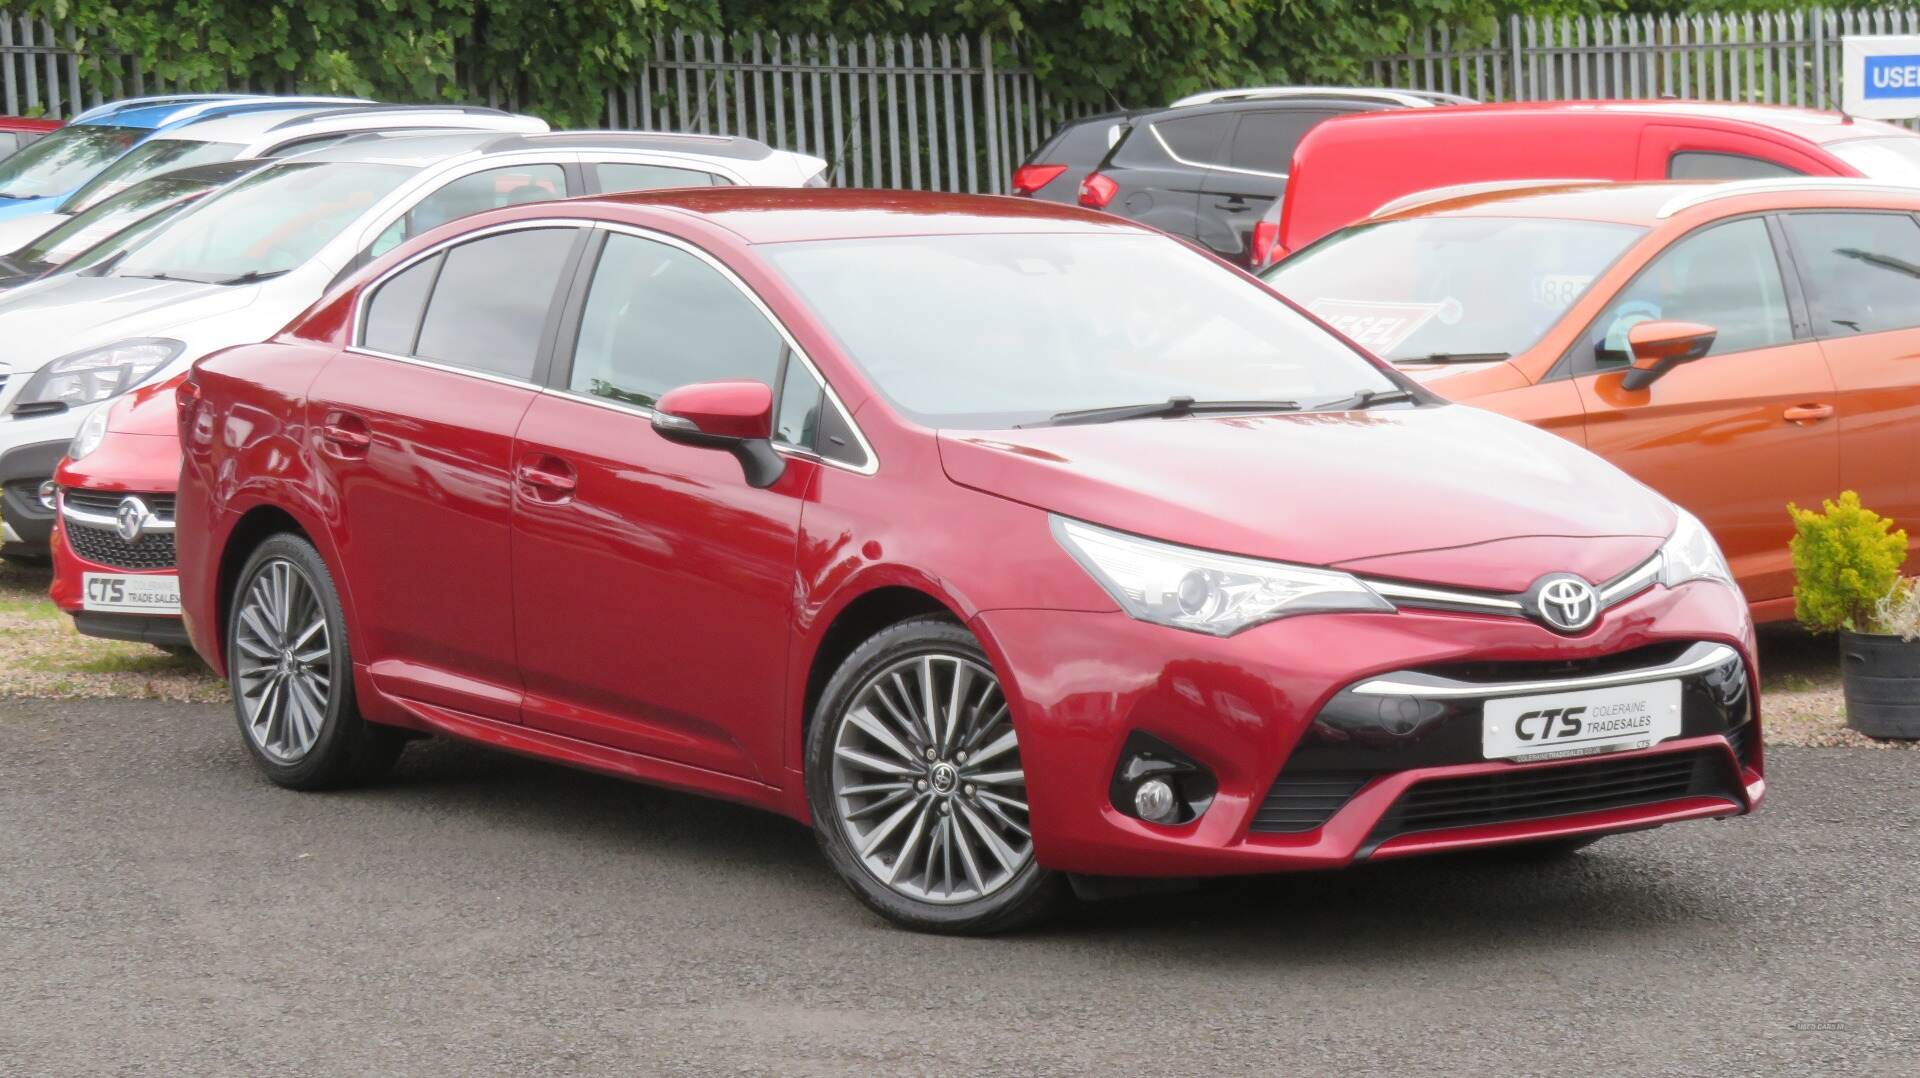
pixel 1207 167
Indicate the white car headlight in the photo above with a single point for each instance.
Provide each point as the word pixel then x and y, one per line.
pixel 1202 591
pixel 95 374
pixel 93 430
pixel 1691 554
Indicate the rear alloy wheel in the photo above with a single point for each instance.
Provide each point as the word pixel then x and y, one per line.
pixel 292 675
pixel 918 792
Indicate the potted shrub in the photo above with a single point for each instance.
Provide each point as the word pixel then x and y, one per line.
pixel 1846 561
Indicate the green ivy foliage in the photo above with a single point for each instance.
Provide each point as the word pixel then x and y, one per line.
pixel 559 57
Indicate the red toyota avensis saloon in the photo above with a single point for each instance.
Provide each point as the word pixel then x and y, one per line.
pixel 1006 543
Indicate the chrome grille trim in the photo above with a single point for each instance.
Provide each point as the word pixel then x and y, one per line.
pixel 1421 596
pixel 1697 659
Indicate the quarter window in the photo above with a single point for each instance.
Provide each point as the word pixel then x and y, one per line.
pixel 618 176
pixel 1700 165
pixel 490 302
pixel 1264 141
pixel 1725 276
pixel 657 318
pixel 1862 270
pixel 393 314
pixel 1196 138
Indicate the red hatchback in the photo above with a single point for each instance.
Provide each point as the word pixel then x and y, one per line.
pixel 1002 541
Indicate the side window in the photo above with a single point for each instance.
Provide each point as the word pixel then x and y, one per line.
pixel 618 176
pixel 487 190
pixel 392 322
pixel 1264 141
pixel 1196 138
pixel 1862 270
pixel 1725 276
pixel 490 302
pixel 1701 165
pixel 657 318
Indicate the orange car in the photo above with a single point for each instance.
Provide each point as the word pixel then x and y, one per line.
pixel 1736 346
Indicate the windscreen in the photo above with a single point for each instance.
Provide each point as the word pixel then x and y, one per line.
pixel 1448 287
pixel 107 218
pixel 149 159
pixel 63 160
pixel 988 331
pixel 266 224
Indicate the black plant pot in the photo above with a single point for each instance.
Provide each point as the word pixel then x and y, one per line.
pixel 1882 679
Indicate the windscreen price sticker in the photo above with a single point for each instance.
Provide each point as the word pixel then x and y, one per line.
pixel 1377 327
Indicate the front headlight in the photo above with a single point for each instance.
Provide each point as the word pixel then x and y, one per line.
pixel 95 374
pixel 92 431
pixel 1204 592
pixel 1691 554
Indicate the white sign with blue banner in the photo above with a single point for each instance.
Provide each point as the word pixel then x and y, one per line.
pixel 1881 76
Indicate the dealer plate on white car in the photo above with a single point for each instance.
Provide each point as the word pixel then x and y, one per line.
pixel 1580 723
pixel 134 593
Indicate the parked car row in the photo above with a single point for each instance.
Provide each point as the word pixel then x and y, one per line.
pixel 1014 547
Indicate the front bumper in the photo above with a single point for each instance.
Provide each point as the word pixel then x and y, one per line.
pixel 22 470
pixel 1303 781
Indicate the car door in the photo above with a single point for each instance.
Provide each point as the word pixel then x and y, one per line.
pixel 1160 165
pixel 654 587
pixel 1238 191
pixel 415 426
pixel 1732 437
pixel 1861 273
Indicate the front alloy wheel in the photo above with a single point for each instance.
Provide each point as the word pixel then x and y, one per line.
pixel 917 786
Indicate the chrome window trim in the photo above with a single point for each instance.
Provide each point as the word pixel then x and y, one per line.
pixel 1157 137
pixel 1695 661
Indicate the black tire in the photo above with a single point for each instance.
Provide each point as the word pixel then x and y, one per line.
pixel 348 749
pixel 1030 895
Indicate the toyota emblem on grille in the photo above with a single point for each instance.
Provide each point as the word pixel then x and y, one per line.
pixel 130 520
pixel 1565 603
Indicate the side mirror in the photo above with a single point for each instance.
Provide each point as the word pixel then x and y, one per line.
pixel 734 416
pixel 1659 347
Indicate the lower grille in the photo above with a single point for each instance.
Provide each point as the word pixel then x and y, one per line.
pixel 1515 796
pixel 1299 803
pixel 102 546
pixel 1741 738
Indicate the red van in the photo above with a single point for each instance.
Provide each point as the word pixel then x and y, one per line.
pixel 1348 167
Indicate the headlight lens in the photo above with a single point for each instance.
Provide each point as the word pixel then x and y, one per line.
pixel 1691 554
pixel 92 431
pixel 1201 591
pixel 95 374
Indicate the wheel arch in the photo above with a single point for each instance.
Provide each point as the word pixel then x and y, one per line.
pixel 255 526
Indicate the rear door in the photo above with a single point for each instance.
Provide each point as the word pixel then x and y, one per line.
pixel 1861 272
pixel 1737 435
pixel 415 426
pixel 1251 178
pixel 1160 165
pixel 1681 152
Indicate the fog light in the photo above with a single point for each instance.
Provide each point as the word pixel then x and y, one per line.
pixel 46 494
pixel 1153 800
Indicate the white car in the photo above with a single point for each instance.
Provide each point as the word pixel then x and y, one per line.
pixel 297 128
pixel 239 264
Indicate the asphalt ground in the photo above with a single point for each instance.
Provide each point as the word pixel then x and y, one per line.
pixel 163 910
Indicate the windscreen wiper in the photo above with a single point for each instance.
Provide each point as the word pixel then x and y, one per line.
pixel 1456 357
pixel 1172 407
pixel 251 276
pixel 1366 398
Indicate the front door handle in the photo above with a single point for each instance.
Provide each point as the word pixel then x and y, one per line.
pixel 546 478
pixel 345 436
pixel 1808 413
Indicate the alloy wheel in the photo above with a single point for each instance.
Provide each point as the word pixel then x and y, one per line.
pixel 928 782
pixel 283 661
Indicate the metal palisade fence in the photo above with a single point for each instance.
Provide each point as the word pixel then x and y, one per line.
pixel 1787 58
pixel 935 113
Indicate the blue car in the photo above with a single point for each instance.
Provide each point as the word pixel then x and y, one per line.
pixel 38 177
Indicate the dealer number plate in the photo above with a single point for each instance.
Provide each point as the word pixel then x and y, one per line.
pixel 1581 723
pixel 138 593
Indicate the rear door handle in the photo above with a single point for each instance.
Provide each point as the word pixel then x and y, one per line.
pixel 548 478
pixel 345 436
pixel 1808 413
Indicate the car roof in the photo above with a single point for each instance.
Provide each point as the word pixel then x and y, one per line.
pixel 292 121
pixel 1648 203
pixel 1405 98
pixel 785 215
pixel 1814 125
pixel 160 112
pixel 401 148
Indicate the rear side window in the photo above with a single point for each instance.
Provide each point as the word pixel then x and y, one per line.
pixel 1199 139
pixel 1084 143
pixel 490 302
pixel 1725 276
pixel 489 190
pixel 658 318
pixel 622 176
pixel 1862 270
pixel 1264 141
pixel 392 323
pixel 1700 165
